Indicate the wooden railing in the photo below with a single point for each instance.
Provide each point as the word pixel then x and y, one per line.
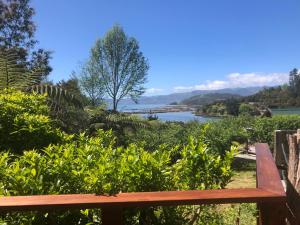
pixel 269 195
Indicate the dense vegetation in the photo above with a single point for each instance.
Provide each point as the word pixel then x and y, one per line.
pixel 156 156
pixel 60 163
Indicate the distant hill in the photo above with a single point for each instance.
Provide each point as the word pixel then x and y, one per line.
pixel 204 99
pixel 178 97
pixel 275 97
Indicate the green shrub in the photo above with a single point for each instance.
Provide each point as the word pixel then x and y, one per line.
pixel 247 109
pixel 221 134
pixel 263 128
pixel 169 134
pixel 93 165
pixel 25 121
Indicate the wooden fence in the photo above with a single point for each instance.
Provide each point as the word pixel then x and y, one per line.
pixel 269 196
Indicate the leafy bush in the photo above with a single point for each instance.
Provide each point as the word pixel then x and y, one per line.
pixel 169 134
pixel 263 128
pixel 221 134
pixel 93 165
pixel 25 121
pixel 247 109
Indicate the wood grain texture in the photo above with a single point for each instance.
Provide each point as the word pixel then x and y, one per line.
pixel 267 175
pixel 138 199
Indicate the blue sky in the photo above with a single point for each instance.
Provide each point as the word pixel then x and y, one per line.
pixel 196 44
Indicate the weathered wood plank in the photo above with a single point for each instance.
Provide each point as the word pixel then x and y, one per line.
pixel 293 186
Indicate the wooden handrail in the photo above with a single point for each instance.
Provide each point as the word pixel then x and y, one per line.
pixel 267 175
pixel 269 191
pixel 138 199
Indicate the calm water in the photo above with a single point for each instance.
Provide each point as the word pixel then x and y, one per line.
pixel 169 116
pixel 137 107
pixel 187 116
pixel 286 111
pixel 180 116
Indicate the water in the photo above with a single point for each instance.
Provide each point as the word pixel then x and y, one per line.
pixel 168 116
pixel 138 107
pixel 286 111
pixel 180 116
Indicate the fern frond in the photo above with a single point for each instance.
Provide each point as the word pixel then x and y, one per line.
pixel 14 74
pixel 56 94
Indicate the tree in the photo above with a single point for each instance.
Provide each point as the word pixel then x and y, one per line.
pixel 232 106
pixel 295 82
pixel 72 87
pixel 17 33
pixel 120 64
pixel 91 84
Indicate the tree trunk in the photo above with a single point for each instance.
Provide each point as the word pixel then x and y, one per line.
pixel 115 104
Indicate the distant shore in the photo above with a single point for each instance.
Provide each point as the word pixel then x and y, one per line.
pixel 164 109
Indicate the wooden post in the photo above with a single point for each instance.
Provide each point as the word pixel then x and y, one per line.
pixel 280 145
pixel 112 216
pixel 293 182
pixel 293 159
pixel 272 214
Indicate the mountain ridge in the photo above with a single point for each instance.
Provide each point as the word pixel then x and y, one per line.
pixel 178 97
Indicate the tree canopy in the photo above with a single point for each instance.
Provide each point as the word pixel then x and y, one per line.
pixel 17 30
pixel 121 66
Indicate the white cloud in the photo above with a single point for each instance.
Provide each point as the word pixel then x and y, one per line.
pixel 151 91
pixel 235 80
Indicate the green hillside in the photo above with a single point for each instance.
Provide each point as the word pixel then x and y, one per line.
pixel 204 99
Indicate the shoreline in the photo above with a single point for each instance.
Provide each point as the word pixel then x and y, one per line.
pixel 164 109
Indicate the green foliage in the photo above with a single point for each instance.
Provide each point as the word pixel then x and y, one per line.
pixel 25 121
pixel 17 31
pixel 287 95
pixel 118 62
pixel 214 109
pixel 94 165
pixel 248 110
pixel 204 99
pixel 221 134
pixel 14 74
pixel 263 128
pixel 71 118
pixel 169 134
pixel 275 97
pixel 91 83
pixel 294 83
pixel 242 214
pixel 121 123
pixel 226 107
